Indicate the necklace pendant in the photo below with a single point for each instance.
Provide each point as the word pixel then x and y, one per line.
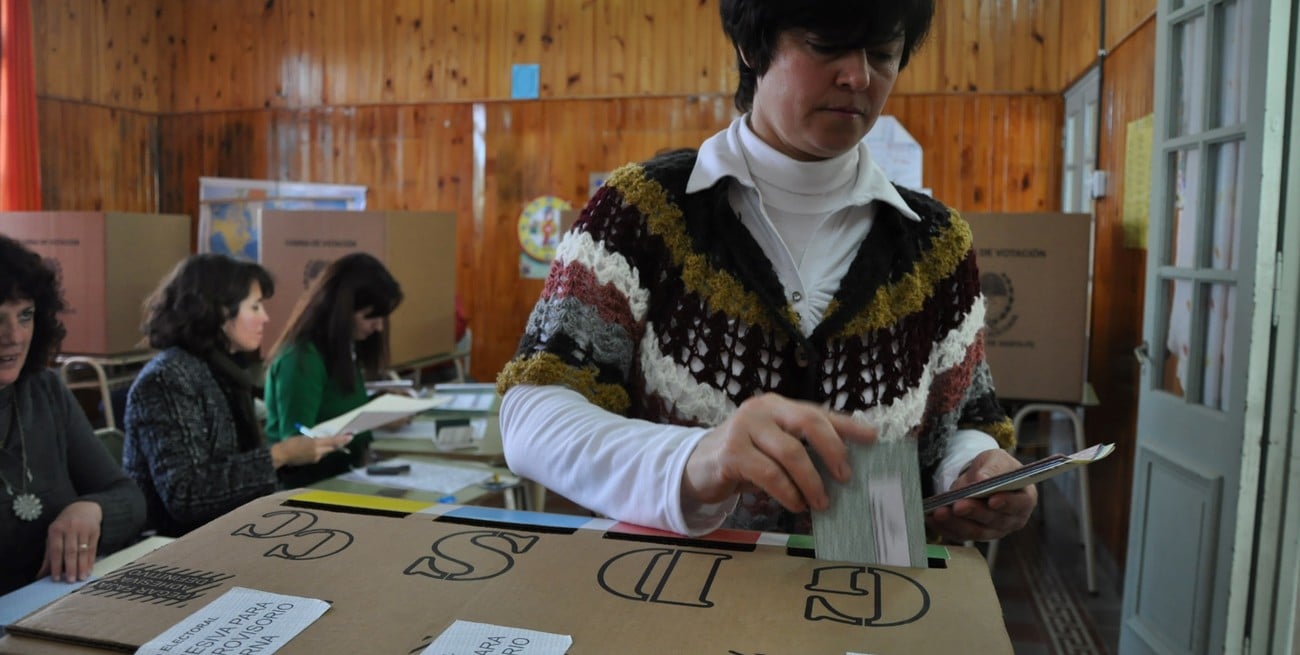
pixel 27 506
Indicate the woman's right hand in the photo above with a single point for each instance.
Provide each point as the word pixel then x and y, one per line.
pixel 296 451
pixel 765 445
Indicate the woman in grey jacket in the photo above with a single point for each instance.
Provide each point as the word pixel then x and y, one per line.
pixel 193 441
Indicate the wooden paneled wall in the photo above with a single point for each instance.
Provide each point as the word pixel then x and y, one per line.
pixel 100 53
pixel 158 56
pixel 1118 272
pixel 97 158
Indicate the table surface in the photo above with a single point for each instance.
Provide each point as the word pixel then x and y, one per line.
pixel 486 450
pixel 25 600
pixel 465 496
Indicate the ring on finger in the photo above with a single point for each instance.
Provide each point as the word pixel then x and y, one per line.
pixel 83 546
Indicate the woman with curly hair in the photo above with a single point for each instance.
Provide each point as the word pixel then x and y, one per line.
pixel 335 336
pixel 63 500
pixel 193 441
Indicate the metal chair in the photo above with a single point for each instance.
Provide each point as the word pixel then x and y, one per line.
pixel 114 441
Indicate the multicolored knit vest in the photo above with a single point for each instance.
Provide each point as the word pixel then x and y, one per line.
pixel 661 306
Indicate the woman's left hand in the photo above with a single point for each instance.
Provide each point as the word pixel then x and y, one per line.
pixel 71 542
pixel 985 519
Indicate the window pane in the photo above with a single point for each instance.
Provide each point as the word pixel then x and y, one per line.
pixel 1071 126
pixel 1067 190
pixel 1187 76
pixel 1089 130
pixel 1177 349
pixel 1219 312
pixel 1232 40
pixel 1227 170
pixel 1182 207
pixel 1085 202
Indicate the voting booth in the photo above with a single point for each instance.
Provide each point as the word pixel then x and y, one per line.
pixel 109 263
pixel 1034 270
pixel 418 248
pixel 393 576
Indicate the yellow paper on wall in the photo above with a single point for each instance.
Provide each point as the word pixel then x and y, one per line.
pixel 1137 182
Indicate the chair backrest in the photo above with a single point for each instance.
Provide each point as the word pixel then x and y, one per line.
pixel 113 439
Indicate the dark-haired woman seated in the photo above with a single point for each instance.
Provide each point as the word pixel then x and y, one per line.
pixel 63 500
pixel 193 442
pixel 336 333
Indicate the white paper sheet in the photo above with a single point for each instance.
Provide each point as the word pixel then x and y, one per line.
pixel 241 619
pixel 469 638
pixel 420 428
pixel 424 476
pixel 466 402
pixel 382 410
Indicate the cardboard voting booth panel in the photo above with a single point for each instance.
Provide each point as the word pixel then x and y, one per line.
pixel 109 263
pixel 1034 275
pixel 397 574
pixel 419 249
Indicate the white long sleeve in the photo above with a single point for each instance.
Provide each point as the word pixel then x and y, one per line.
pixel 627 469
pixel 963 446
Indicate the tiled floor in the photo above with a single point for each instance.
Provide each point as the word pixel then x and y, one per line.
pixel 1049 611
pixel 1040 578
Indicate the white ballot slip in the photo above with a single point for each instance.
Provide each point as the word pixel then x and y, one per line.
pixel 1020 478
pixel 240 620
pixel 468 638
pixel 381 411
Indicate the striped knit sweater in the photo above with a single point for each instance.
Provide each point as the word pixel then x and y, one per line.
pixel 661 306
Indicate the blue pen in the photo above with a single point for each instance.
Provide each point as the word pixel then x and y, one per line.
pixel 307 432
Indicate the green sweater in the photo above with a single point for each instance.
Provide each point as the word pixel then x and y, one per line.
pixel 298 391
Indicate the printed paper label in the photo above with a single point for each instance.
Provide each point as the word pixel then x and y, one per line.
pixel 240 621
pixel 470 638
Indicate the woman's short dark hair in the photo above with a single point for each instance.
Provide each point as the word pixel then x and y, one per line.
pixel 323 316
pixel 754 25
pixel 25 276
pixel 197 298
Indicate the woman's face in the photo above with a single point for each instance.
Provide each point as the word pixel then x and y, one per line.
pixel 17 322
pixel 363 325
pixel 244 330
pixel 816 101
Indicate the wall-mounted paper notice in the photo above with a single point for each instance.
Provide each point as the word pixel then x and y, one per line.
pixel 240 620
pixel 468 637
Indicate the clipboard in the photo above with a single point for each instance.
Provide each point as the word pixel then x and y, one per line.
pixel 1045 468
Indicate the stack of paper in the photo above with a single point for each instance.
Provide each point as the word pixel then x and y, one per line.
pixel 1022 477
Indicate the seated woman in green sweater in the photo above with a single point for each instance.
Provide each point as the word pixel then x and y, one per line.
pixel 335 336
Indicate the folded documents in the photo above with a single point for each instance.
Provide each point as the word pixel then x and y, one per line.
pixel 1022 477
pixel 382 410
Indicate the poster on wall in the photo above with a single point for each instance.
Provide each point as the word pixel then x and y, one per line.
pixel 230 209
pixel 595 180
pixel 539 233
pixel 897 152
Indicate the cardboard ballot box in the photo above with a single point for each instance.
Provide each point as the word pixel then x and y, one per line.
pixel 109 263
pixel 398 573
pixel 1034 274
pixel 418 248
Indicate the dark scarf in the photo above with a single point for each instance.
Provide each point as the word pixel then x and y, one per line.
pixel 238 390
